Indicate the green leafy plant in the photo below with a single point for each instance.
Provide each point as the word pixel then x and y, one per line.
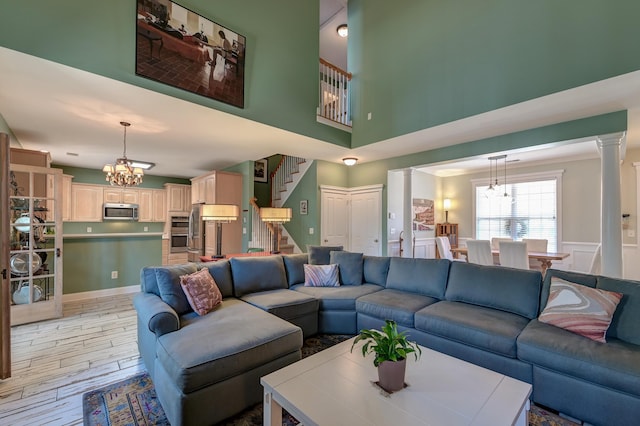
pixel 388 344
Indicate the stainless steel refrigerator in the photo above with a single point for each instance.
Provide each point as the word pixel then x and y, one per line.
pixel 196 241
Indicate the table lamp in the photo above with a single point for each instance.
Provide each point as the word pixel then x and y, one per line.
pixel 220 213
pixel 277 216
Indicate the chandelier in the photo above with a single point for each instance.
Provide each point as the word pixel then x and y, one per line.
pixel 495 189
pixel 122 173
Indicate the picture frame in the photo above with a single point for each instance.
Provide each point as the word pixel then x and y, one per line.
pixel 304 207
pixel 183 49
pixel 261 170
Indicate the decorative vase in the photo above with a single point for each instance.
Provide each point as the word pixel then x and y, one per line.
pixel 391 375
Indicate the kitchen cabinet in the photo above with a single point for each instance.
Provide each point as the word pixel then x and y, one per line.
pixel 178 197
pixel 66 197
pixel 152 205
pixel 86 202
pixel 121 196
pixel 169 258
pixel 219 187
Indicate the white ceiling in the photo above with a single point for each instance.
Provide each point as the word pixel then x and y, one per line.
pixel 333 48
pixel 66 111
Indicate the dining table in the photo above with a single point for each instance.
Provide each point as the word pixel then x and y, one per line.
pixel 545 258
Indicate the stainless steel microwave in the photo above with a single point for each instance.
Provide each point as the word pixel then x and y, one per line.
pixel 115 211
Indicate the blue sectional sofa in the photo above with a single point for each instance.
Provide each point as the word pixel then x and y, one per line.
pixel 207 368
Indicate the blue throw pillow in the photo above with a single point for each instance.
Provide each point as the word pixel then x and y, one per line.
pixel 319 255
pixel 349 265
pixel 170 289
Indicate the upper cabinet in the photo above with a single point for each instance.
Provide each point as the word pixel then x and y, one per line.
pixel 121 195
pixel 153 205
pixel 178 197
pixel 86 202
pixel 203 188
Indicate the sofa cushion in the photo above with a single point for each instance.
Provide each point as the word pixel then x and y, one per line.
pixel 220 270
pixel 321 276
pixel 294 266
pixel 338 298
pixel 627 316
pixel 508 289
pixel 422 276
pixel 477 326
pixel 615 364
pixel 580 309
pixel 375 269
pixel 396 305
pixel 574 277
pixel 319 255
pixel 168 279
pixel 349 265
pixel 201 291
pixel 253 274
pixel 215 347
pixel 285 303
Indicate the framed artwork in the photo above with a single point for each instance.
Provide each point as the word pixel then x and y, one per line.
pixel 261 170
pixel 181 48
pixel 423 214
pixel 304 207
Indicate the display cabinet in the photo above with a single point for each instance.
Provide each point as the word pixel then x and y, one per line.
pixel 449 230
pixel 35 243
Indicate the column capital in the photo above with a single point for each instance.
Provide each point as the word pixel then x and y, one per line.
pixel 612 139
pixel 409 171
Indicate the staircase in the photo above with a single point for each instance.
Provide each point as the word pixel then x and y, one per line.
pixel 284 179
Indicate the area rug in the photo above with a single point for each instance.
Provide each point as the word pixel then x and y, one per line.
pixel 134 402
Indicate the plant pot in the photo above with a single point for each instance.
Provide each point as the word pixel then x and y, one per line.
pixel 391 375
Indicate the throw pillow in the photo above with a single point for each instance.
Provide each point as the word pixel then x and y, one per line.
pixel 349 266
pixel 580 309
pixel 201 290
pixel 321 276
pixel 319 255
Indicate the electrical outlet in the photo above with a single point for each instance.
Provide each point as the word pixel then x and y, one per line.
pixel 114 275
pixel 311 231
pixel 146 229
pixel 244 231
pixel 89 229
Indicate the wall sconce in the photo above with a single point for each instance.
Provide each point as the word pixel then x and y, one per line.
pixel 446 204
pixel 220 213
pixel 275 216
pixel 343 30
pixel 350 161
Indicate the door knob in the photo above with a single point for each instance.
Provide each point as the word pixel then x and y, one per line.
pixel 375 241
pixel 326 241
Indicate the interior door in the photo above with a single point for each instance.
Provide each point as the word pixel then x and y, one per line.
pixel 35 238
pixel 366 227
pixel 334 212
pixel 5 308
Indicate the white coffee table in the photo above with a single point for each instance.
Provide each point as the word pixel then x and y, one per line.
pixel 336 387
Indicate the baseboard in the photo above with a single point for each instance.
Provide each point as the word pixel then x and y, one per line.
pixel 71 297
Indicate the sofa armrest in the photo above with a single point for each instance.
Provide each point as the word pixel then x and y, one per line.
pixel 159 317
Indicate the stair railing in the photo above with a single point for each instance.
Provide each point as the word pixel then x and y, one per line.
pixel 282 175
pixel 334 93
pixel 261 232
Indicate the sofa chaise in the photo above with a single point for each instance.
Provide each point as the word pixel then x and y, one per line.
pixel 207 368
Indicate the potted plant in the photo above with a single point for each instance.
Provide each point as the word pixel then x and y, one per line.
pixel 391 349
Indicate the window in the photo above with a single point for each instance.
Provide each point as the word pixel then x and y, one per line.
pixel 530 208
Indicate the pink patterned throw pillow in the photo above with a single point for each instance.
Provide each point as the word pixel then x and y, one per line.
pixel 580 309
pixel 201 290
pixel 321 275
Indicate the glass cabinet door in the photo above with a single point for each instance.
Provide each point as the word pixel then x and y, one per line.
pixel 35 243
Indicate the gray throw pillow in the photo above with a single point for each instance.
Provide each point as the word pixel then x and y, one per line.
pixel 350 266
pixel 319 255
pixel 170 289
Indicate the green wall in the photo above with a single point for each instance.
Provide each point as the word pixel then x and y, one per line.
pixel 420 63
pixel 88 262
pixel 100 37
pixel 262 190
pixel 246 169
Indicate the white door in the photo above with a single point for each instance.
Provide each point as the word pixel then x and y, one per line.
pixel 366 222
pixel 334 212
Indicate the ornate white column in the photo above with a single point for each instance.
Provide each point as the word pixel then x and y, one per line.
pixel 407 214
pixel 611 229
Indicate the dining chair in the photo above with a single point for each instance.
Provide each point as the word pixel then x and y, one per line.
pixel 495 242
pixel 537 245
pixel 513 254
pixel 479 252
pixel 444 249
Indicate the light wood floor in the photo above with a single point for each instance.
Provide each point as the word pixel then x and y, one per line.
pixel 55 362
